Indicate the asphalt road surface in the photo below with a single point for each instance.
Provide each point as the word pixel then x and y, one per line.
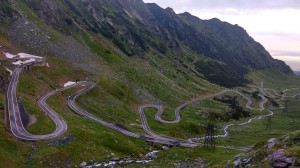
pixel 16 125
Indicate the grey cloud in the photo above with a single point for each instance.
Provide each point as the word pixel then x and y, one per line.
pixel 279 34
pixel 181 5
pixel 285 53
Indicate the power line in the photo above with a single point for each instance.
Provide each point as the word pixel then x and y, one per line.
pixel 209 140
pixel 269 123
pixel 285 108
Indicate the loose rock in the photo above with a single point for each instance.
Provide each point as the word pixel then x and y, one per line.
pixel 237 163
pixel 83 164
pixel 280 160
pixel 271 142
pixel 66 140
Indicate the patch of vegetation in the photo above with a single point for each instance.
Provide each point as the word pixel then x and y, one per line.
pixel 255 95
pixel 221 74
pixel 295 151
pixel 118 90
pixel 123 46
pixel 274 79
pixel 28 92
pixel 99 50
pixel 272 101
pixel 213 158
pixel 17 151
pixel 101 102
pixel 5 11
pixel 237 111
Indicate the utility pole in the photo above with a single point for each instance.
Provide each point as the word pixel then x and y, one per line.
pixel 209 140
pixel 269 123
pixel 285 108
pixel 261 90
pixel 280 91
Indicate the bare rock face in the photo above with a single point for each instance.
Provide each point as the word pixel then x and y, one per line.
pixel 271 142
pixel 6 12
pixel 280 160
pixel 242 162
pixel 83 164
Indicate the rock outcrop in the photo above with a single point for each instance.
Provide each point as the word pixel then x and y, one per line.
pixel 279 159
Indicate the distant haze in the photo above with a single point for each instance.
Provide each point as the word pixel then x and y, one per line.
pixel 273 23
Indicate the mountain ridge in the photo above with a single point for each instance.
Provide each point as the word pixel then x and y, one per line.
pixel 137 28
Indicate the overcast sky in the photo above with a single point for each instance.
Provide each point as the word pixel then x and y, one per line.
pixel 273 23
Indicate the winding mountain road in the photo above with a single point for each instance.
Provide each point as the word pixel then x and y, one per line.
pixel 16 125
pixel 160 109
pixel 179 108
pixel 283 96
pixel 156 139
pixel 18 130
pixel 153 137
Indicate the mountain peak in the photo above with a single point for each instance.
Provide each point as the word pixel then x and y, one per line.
pixel 170 10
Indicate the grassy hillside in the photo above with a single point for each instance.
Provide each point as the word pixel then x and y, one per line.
pixel 91 141
pixel 274 79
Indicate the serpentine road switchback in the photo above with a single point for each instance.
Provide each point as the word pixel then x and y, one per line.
pixel 18 130
pixel 16 125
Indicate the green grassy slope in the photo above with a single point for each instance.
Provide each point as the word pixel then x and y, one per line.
pixel 274 79
pixel 91 140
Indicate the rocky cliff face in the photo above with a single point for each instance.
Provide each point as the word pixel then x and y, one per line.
pixel 220 51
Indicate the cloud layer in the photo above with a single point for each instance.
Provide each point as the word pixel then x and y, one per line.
pixel 233 4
